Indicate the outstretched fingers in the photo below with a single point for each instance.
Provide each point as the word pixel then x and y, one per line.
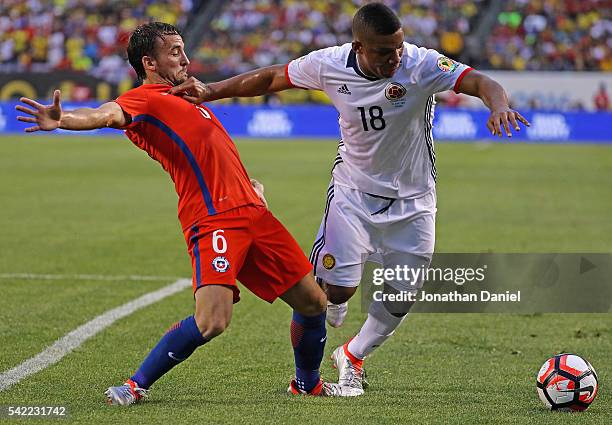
pixel 513 121
pixel 32 103
pixel 505 124
pixel 522 119
pixel 28 111
pixel 504 121
pixel 27 119
pixel 494 125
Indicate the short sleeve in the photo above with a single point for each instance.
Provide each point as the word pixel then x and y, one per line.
pixel 133 103
pixel 305 72
pixel 438 73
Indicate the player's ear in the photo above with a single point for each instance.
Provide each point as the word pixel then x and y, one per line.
pixel 357 46
pixel 148 62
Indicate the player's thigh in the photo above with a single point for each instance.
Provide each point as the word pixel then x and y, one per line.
pixel 218 248
pixel 213 309
pixel 409 248
pixel 275 262
pixel 344 241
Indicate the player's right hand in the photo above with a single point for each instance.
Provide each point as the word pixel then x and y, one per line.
pixel 259 189
pixel 192 90
pixel 46 117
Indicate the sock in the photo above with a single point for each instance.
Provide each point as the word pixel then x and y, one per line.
pixel 176 345
pixel 357 362
pixel 308 337
pixel 378 327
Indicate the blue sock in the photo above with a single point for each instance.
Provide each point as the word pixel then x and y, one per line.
pixel 308 337
pixel 176 345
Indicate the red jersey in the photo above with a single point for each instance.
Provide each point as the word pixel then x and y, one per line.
pixel 193 147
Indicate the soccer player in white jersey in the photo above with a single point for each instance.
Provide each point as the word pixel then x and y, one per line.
pixel 381 203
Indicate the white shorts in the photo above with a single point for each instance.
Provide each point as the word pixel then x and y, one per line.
pixel 358 227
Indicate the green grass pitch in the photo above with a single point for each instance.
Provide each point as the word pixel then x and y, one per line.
pixel 85 205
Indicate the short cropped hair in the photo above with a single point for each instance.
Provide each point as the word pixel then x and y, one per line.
pixel 375 18
pixel 142 43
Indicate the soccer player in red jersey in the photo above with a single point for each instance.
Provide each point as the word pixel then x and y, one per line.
pixel 229 232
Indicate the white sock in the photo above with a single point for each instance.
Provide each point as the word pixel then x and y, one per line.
pixel 378 327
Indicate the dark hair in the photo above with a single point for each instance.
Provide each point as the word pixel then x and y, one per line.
pixel 142 43
pixel 377 18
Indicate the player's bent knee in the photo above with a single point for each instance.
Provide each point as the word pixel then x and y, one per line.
pixel 211 329
pixel 306 297
pixel 316 304
pixel 339 294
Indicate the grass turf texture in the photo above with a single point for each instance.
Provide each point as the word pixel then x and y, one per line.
pixel 73 205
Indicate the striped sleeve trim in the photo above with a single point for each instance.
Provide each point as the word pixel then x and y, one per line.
pixel 461 77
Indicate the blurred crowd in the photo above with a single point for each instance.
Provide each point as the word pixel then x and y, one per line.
pixel 78 35
pixel 252 33
pixel 90 36
pixel 559 35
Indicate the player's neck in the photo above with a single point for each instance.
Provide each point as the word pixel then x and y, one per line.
pixel 156 79
pixel 363 71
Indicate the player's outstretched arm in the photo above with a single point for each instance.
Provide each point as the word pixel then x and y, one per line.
pixel 253 83
pixel 51 117
pixel 495 98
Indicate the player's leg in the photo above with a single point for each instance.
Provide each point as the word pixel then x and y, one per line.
pixel 215 292
pixel 308 333
pixel 409 239
pixel 337 302
pixel 341 249
pixel 276 267
pixel 213 312
pixel 382 321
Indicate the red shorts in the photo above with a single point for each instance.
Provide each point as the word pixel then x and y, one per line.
pixel 249 244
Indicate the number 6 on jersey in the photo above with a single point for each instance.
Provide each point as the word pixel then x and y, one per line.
pixel 217 238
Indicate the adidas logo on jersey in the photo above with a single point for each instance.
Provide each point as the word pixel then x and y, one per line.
pixel 344 89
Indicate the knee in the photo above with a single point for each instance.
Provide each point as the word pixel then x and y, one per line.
pixel 317 304
pixel 314 305
pixel 339 294
pixel 211 327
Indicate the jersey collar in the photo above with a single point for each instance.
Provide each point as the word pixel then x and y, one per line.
pixel 352 63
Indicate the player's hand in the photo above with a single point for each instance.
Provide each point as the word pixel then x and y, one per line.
pixel 46 117
pixel 259 189
pixel 502 120
pixel 192 90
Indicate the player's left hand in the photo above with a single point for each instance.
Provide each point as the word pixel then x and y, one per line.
pixel 259 189
pixel 192 90
pixel 46 117
pixel 501 120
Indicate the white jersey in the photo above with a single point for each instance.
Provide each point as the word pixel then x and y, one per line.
pixel 386 124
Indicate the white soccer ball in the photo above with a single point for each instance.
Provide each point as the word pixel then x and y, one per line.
pixel 567 382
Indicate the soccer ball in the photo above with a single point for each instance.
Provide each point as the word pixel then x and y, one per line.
pixel 567 382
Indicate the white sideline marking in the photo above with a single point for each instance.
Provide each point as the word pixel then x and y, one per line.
pixel 33 276
pixel 55 352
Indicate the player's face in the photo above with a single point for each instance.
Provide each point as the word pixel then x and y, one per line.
pixel 380 55
pixel 170 59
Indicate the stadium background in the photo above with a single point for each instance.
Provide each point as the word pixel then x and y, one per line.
pixel 74 206
pixel 562 50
